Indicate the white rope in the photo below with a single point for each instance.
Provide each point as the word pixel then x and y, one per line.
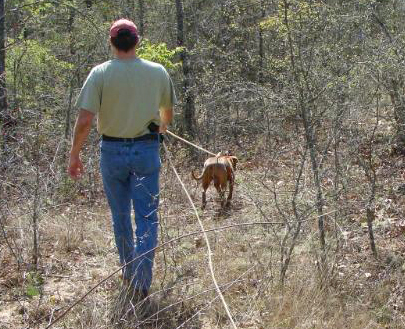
pixel 187 142
pixel 211 267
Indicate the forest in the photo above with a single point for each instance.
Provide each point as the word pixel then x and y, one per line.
pixel 309 95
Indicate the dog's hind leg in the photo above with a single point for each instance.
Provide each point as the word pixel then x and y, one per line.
pixel 222 196
pixel 204 199
pixel 231 182
pixel 221 191
pixel 205 185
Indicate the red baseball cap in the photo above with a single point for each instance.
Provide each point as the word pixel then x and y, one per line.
pixel 123 24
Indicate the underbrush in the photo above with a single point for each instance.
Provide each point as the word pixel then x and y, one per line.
pixel 77 250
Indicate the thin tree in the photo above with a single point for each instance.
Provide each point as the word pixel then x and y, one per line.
pixel 304 108
pixel 189 98
pixel 395 84
pixel 3 93
pixel 72 52
pixel 261 44
pixel 141 17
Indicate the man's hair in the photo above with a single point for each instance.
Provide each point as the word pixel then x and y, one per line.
pixel 125 40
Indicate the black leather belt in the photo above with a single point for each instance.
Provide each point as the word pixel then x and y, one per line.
pixel 145 137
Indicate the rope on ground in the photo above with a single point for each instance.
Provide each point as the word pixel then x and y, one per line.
pixel 205 237
pixel 189 143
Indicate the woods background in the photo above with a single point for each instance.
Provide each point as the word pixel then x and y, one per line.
pixel 309 95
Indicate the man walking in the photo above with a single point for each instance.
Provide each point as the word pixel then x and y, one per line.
pixel 133 100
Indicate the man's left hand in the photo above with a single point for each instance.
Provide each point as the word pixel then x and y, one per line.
pixel 162 128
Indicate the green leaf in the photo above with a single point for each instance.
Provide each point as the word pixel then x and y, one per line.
pixel 32 291
pixel 159 53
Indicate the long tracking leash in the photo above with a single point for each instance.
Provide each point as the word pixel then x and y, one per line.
pixel 189 143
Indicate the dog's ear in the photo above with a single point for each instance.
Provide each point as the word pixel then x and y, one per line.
pixel 234 160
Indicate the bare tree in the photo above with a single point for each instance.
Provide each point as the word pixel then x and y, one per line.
pixel 262 53
pixel 141 17
pixel 36 196
pixel 292 230
pixel 3 93
pixel 366 159
pixel 71 86
pixel 189 98
pixel 394 80
pixel 4 117
pixel 304 108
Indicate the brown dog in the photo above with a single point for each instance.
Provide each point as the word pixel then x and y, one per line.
pixel 221 170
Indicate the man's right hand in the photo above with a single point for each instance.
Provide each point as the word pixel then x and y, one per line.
pixel 75 168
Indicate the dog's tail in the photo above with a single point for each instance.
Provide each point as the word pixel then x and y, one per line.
pixel 195 177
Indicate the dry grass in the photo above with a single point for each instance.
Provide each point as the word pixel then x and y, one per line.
pixel 77 251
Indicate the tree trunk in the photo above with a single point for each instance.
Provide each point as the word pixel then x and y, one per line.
pixel 396 93
pixel 71 86
pixel 88 3
pixel 398 101
pixel 311 144
pixel 370 219
pixel 189 106
pixel 141 15
pixel 3 93
pixel 261 45
pixel 128 9
pixel 310 139
pixel 37 196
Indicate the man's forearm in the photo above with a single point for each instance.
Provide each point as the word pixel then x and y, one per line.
pixel 81 131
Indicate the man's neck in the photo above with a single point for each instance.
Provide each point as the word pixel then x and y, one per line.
pixel 126 55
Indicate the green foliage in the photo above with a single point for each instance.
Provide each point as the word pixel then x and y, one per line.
pixel 32 291
pixel 300 23
pixel 31 68
pixel 299 14
pixel 34 283
pixel 159 53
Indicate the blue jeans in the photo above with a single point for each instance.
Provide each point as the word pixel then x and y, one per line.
pixel 130 172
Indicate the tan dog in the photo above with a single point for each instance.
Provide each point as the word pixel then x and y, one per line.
pixel 221 170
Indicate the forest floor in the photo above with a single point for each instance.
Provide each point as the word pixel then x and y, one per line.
pixel 77 251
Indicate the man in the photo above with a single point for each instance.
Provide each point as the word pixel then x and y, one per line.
pixel 133 100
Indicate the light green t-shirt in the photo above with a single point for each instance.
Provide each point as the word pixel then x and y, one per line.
pixel 126 95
